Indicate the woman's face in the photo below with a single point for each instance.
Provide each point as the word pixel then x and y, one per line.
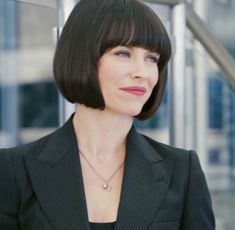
pixel 127 76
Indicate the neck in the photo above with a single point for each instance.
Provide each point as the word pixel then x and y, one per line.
pixel 101 134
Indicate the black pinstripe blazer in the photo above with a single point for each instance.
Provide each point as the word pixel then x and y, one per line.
pixel 41 187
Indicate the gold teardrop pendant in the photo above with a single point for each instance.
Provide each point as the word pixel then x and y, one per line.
pixel 107 187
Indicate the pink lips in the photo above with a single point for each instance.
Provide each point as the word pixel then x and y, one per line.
pixel 139 91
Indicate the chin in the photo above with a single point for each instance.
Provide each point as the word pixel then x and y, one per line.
pixel 134 113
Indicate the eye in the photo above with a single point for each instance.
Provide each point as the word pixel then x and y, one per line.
pixel 152 58
pixel 122 53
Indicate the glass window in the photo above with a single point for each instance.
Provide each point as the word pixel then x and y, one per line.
pixel 28 95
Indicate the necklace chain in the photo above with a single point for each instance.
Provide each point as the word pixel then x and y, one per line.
pixel 106 186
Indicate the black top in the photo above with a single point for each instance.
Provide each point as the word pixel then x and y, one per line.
pixel 102 226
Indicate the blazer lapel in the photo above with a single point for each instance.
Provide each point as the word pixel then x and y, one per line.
pixel 56 176
pixel 57 180
pixel 146 179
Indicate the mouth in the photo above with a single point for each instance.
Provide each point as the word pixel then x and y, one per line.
pixel 139 91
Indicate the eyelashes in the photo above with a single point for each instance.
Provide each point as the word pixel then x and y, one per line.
pixel 153 59
pixel 122 53
pixel 127 54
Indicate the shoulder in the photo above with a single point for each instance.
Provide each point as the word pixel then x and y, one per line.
pixel 13 168
pixel 181 156
pixel 62 138
pixel 16 153
pixel 166 150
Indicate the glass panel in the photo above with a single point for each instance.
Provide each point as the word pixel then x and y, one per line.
pixel 28 96
pixel 221 118
pixel 214 98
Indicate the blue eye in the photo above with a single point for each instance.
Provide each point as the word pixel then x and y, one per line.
pixel 122 53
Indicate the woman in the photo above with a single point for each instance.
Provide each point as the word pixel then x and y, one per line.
pixel 97 171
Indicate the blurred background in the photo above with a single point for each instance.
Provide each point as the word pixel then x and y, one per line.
pixel 198 110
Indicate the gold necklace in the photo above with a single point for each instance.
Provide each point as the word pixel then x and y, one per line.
pixel 106 185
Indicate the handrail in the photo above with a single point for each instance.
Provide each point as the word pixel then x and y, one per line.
pixel 212 45
pixel 41 3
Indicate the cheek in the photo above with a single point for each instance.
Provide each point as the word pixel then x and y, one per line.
pixel 103 77
pixel 154 79
pixel 109 73
pixel 154 73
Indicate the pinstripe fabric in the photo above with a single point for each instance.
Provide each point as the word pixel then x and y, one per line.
pixel 41 187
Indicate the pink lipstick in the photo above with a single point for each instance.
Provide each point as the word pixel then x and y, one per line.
pixel 136 90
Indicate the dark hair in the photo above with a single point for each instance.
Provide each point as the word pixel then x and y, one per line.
pixel 93 27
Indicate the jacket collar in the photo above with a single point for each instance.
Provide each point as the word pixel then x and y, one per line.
pixel 138 141
pixel 59 144
pixel 55 172
pixel 64 139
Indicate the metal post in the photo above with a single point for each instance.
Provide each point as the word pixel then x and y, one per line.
pixel 201 94
pixel 9 75
pixel 64 8
pixel 177 124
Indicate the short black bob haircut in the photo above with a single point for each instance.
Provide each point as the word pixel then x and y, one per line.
pixel 93 27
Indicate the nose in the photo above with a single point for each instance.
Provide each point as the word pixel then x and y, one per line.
pixel 139 69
